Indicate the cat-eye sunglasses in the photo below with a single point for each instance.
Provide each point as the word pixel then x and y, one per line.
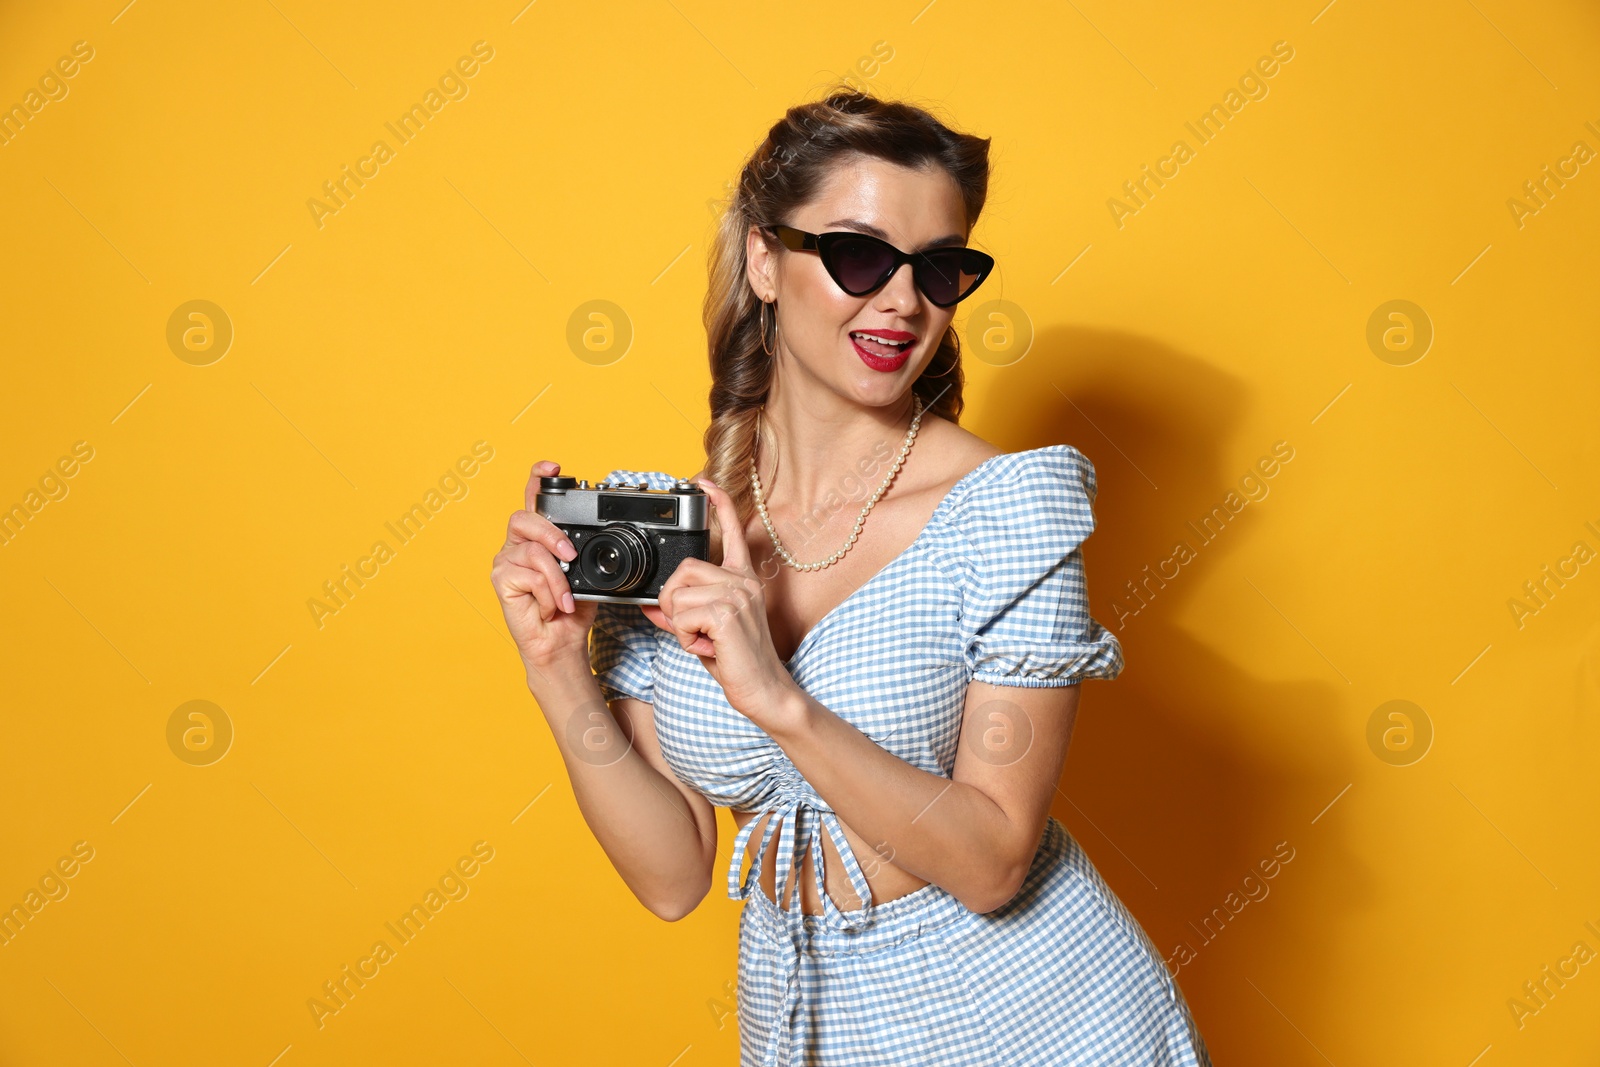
pixel 860 263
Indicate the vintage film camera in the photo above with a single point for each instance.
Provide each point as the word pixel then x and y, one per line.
pixel 630 538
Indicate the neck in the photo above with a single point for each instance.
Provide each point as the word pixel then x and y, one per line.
pixel 827 444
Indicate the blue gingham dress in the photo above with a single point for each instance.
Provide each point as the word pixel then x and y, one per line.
pixel 992 589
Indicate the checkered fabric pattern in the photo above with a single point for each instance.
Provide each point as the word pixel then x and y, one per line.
pixel 992 590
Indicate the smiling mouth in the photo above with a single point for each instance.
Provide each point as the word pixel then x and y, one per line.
pixel 871 344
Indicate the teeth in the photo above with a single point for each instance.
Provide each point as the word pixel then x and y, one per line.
pixel 881 341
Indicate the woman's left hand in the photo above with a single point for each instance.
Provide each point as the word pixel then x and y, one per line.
pixel 720 615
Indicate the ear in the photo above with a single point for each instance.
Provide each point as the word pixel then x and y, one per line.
pixel 760 265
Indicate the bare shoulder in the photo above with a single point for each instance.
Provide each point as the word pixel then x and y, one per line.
pixel 958 450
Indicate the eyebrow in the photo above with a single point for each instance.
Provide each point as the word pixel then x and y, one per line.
pixel 867 228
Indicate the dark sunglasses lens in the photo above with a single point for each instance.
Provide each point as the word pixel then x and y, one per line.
pixel 947 276
pixel 862 264
pixel 859 264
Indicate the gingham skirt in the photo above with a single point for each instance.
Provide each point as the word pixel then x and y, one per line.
pixel 1062 975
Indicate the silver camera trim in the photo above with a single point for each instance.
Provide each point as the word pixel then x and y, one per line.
pixel 581 506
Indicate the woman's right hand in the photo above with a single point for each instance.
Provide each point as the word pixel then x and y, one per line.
pixel 547 624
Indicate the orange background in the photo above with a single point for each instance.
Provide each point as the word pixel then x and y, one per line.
pixel 366 753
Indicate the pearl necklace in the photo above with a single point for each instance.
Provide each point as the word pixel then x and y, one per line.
pixel 789 560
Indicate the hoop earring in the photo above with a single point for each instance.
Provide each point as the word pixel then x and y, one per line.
pixel 944 373
pixel 763 324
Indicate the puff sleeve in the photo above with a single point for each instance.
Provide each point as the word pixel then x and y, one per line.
pixel 622 652
pixel 623 642
pixel 1025 608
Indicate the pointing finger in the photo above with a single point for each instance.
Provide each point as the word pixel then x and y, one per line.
pixel 735 553
pixel 545 468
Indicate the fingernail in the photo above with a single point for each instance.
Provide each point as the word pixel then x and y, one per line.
pixel 568 603
pixel 566 551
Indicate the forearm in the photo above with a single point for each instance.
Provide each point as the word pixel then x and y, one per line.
pixel 942 831
pixel 642 821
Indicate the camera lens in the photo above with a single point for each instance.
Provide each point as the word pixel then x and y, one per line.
pixel 617 559
pixel 607 561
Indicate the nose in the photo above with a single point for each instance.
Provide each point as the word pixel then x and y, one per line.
pixel 900 293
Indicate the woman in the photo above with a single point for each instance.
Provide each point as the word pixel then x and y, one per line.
pixel 886 705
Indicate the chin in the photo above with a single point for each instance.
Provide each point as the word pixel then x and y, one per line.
pixel 883 390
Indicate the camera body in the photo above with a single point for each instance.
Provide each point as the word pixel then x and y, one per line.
pixel 630 538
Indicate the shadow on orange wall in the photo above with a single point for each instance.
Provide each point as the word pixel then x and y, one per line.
pixel 1176 782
